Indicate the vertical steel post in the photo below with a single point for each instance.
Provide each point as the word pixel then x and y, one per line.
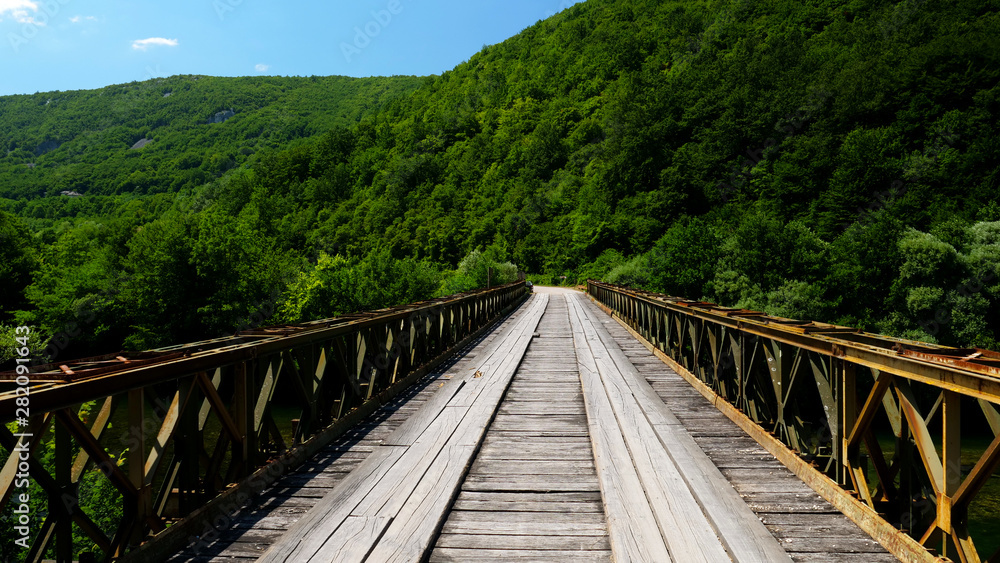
pixel 62 502
pixel 848 417
pixel 243 417
pixel 187 448
pixel 951 460
pixel 141 507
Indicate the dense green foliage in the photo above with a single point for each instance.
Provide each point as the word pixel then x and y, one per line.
pixel 833 159
pixel 83 141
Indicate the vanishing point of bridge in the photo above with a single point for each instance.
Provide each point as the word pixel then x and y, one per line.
pixel 559 433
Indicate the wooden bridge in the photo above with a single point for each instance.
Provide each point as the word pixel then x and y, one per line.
pixel 501 426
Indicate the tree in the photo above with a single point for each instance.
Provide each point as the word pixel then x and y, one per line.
pixel 17 262
pixel 684 260
pixel 161 290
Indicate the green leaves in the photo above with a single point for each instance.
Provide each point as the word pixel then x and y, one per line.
pixel 95 129
pixel 926 259
pixel 480 269
pixel 17 260
pixel 337 285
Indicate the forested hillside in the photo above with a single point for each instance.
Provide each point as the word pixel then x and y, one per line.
pixel 171 134
pixel 832 160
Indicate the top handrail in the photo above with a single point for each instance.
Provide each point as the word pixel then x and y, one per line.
pixel 56 387
pixel 973 372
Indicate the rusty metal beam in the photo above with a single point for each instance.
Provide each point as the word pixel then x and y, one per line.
pixel 163 436
pixel 897 542
pixel 38 428
pixel 215 401
pixel 979 476
pixel 87 441
pixel 52 397
pixel 97 430
pixel 978 384
pixel 868 412
pixel 921 436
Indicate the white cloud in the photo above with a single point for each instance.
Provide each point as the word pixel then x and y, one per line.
pixel 263 68
pixel 17 6
pixel 11 5
pixel 143 44
pixel 22 17
pixel 18 9
pixel 78 19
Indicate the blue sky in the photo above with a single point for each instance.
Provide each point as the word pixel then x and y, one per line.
pixel 48 45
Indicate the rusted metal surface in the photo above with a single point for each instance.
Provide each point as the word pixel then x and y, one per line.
pixel 201 417
pixel 90 367
pixel 821 391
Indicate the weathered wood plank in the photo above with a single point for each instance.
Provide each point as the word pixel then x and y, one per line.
pixel 351 540
pixel 417 423
pixel 831 544
pixel 245 550
pixel 529 482
pixel 416 521
pixel 575 496
pixel 529 506
pixel 541 433
pixel 689 534
pixel 522 408
pixel 552 433
pixel 412 532
pixel 534 467
pixel 631 523
pixel 539 527
pixel 790 502
pixel 528 451
pixel 725 460
pixel 787 523
pixel 540 441
pixel 539 519
pixel 459 555
pixel 536 423
pixel 807 557
pixel 775 486
pixel 301 542
pixel 744 536
pixel 543 397
pixel 522 541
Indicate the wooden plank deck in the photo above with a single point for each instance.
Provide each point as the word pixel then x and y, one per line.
pixel 559 438
pixel 532 493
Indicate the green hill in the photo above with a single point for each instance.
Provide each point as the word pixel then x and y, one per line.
pixel 196 127
pixel 834 160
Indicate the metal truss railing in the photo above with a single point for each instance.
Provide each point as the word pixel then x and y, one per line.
pixel 202 421
pixel 828 393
